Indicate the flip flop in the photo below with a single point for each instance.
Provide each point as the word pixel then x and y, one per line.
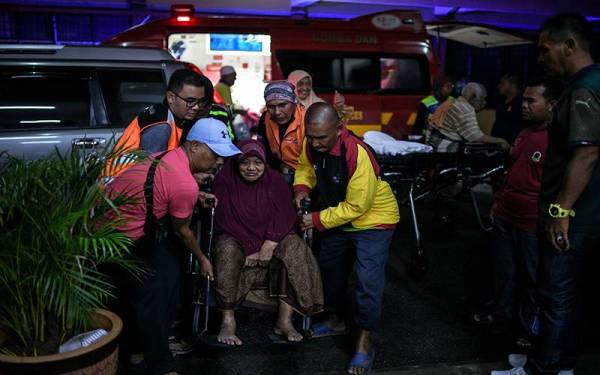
pixel 323 330
pixel 363 361
pixel 482 318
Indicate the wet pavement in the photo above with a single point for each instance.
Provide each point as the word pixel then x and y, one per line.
pixel 425 328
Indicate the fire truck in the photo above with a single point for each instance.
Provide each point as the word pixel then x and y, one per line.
pixel 382 63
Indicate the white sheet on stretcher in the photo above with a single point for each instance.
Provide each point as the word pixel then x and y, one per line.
pixel 384 144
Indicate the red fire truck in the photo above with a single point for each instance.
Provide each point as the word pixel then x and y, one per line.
pixel 383 63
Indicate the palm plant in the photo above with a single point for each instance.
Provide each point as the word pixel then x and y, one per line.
pixel 54 238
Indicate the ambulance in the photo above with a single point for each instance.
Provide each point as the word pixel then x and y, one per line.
pixel 382 63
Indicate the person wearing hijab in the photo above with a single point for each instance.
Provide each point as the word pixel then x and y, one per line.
pixel 257 246
pixel 306 95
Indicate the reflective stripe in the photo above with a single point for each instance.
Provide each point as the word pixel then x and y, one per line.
pixel 429 101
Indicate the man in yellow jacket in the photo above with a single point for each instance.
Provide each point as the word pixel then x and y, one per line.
pixel 357 213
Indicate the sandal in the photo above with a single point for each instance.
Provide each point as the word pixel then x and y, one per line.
pixel 482 318
pixel 324 330
pixel 362 361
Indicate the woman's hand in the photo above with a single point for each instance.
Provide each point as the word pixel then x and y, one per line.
pixel 251 260
pixel 266 250
pixel 338 100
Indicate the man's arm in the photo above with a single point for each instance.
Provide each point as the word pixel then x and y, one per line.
pixel 489 139
pixel 360 195
pixel 584 138
pixel 469 130
pixel 577 176
pixel 304 177
pixel 184 232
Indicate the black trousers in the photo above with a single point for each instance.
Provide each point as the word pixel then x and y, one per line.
pixel 153 301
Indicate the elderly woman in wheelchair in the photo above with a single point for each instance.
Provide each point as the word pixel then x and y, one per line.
pixel 258 258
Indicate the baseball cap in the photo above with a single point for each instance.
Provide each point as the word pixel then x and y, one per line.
pixel 215 135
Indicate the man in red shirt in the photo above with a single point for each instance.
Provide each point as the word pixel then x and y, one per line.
pixel 514 242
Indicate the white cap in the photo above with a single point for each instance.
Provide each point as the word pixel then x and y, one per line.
pixel 227 69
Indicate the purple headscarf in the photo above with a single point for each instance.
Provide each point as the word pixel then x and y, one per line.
pixel 253 212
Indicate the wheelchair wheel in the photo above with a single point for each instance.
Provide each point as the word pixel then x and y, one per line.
pixel 197 321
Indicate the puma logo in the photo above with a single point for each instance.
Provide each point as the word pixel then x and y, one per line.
pixel 585 103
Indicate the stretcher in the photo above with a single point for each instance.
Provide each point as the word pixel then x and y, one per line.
pixel 417 176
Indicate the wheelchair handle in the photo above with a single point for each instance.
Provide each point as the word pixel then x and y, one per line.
pixel 305 205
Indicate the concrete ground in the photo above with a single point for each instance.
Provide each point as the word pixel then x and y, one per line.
pixel 425 328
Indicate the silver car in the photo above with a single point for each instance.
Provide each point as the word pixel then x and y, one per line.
pixel 69 97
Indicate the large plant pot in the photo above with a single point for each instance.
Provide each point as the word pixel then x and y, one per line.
pixel 100 358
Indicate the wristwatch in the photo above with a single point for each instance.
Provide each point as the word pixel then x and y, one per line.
pixel 556 211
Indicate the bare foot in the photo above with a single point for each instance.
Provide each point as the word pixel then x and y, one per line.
pixel 286 328
pixel 227 333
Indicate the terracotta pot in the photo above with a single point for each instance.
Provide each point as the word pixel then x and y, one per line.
pixel 100 358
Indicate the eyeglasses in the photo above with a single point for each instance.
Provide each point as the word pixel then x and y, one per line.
pixel 192 102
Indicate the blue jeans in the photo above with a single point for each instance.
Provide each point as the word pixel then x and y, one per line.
pixel 367 251
pixel 558 276
pixel 515 257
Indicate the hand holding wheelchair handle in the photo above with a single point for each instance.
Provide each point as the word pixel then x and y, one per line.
pixel 305 216
pixel 299 197
pixel 206 198
pixel 206 268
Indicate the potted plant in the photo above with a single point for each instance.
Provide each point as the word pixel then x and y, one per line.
pixel 54 240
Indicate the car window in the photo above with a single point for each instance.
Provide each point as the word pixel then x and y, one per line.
pixel 36 98
pixel 127 92
pixel 359 72
pixel 400 74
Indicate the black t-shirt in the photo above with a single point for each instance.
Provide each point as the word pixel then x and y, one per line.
pixel 508 119
pixel 576 123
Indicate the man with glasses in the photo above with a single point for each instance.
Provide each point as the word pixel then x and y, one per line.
pixel 163 126
pixel 459 123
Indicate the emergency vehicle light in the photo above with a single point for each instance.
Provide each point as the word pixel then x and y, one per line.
pixel 183 12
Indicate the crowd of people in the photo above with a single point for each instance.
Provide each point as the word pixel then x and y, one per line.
pixel 258 188
pixel 546 214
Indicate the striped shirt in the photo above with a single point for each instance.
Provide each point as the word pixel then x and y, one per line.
pixel 460 123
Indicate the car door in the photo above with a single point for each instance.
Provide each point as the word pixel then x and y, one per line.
pixel 48 108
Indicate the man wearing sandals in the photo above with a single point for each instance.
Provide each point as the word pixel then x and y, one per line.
pixel 356 213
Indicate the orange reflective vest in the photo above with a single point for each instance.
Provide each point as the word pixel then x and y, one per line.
pixel 287 150
pixel 130 140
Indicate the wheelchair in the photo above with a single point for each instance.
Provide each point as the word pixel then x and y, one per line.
pixel 202 294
